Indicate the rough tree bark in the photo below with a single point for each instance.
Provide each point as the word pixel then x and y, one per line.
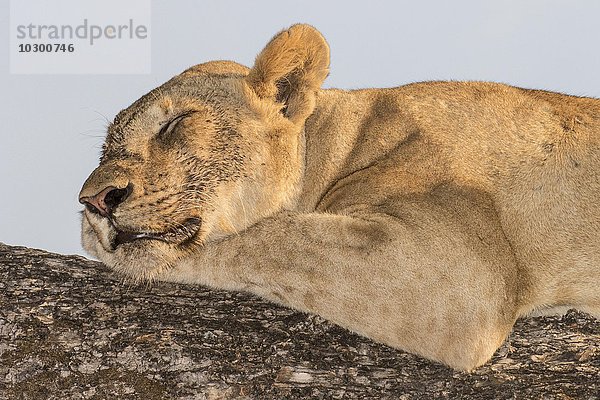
pixel 69 329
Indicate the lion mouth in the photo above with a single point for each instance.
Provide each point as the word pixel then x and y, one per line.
pixel 178 235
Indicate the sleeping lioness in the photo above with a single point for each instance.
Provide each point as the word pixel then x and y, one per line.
pixel 428 217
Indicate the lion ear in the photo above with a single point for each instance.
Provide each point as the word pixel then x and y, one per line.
pixel 290 69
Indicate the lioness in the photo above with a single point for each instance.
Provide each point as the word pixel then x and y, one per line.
pixel 428 217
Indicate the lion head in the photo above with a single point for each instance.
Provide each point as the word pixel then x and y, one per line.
pixel 205 155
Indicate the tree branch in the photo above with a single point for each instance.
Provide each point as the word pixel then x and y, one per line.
pixel 70 329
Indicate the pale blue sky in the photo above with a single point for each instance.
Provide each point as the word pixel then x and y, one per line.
pixel 53 125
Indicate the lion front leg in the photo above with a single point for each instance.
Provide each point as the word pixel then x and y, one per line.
pixel 446 299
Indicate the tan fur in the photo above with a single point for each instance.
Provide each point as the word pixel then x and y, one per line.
pixel 428 217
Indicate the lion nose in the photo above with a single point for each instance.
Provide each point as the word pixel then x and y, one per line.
pixel 106 200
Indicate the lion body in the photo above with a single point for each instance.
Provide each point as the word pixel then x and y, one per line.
pixel 428 217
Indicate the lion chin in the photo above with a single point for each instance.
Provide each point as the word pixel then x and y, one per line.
pixel 138 260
